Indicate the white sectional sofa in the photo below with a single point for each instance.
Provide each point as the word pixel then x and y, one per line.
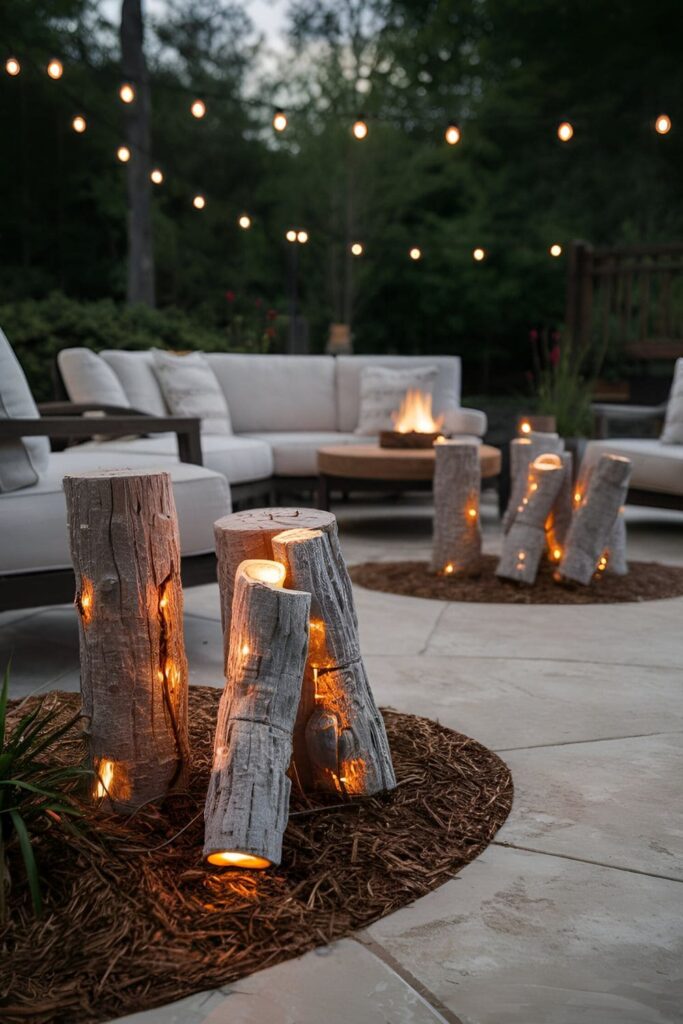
pixel 282 407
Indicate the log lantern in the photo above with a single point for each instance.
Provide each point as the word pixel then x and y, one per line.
pixel 456 549
pixel 126 556
pixel 525 541
pixel 597 521
pixel 247 804
pixel 523 451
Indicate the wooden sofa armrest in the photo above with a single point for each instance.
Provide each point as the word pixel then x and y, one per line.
pixel 185 427
pixel 605 412
pixel 78 408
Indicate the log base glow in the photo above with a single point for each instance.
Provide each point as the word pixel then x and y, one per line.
pixel 237 859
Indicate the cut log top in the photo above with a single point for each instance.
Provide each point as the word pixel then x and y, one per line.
pixel 275 520
pixel 109 474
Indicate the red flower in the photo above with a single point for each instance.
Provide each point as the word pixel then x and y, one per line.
pixel 554 355
pixel 271 314
pixel 533 334
pixel 230 296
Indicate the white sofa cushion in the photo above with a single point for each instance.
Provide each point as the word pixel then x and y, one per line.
pixel 135 371
pixel 35 536
pixel 673 424
pixel 88 378
pixel 656 466
pixel 295 453
pixel 465 421
pixel 266 393
pixel 22 460
pixel 446 388
pixel 239 459
pixel 190 388
pixel 383 389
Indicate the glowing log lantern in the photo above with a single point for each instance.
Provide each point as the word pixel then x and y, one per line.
pixel 559 520
pixel 346 747
pixel 456 548
pixel 525 541
pixel 126 556
pixel 248 798
pixel 523 451
pixel 597 535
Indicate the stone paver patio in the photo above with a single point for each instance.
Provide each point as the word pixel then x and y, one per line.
pixel 573 914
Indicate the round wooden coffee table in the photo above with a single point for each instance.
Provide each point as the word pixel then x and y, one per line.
pixel 348 467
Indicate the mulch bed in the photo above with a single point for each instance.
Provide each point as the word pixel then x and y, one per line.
pixel 133 919
pixel 646 581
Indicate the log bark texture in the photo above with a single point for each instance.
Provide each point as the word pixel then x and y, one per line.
pixel 523 451
pixel 456 548
pixel 594 518
pixel 340 741
pixel 615 552
pixel 525 541
pixel 126 555
pixel 247 804
pixel 560 516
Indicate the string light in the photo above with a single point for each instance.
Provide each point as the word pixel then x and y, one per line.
pixel 415 253
pixel 291 235
pixel 12 66
pixel 302 237
pixel 156 176
pixel 126 93
pixel 244 221
pixel 663 124
pixel 199 202
pixel 555 249
pixel 452 135
pixel 198 109
pixel 478 254
pixel 79 124
pixel 279 120
pixel 357 249
pixel 123 153
pixel 55 69
pixel 360 129
pixel 565 131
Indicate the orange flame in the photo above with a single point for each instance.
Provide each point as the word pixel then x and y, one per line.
pixel 415 414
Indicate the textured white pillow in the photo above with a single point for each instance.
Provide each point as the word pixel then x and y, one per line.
pixel 24 460
pixel 88 378
pixel 673 424
pixel 191 388
pixel 382 390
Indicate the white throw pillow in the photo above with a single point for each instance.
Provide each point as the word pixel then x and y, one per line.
pixel 88 378
pixel 191 388
pixel 22 460
pixel 673 424
pixel 382 390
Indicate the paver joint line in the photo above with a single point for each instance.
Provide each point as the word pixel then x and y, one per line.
pixel 585 860
pixel 599 739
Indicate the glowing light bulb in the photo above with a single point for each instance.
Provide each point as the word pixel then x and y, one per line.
pixel 663 124
pixel 452 135
pixel 198 109
pixel 472 513
pixel 123 154
pixel 199 202
pixel 55 69
pixel 555 249
pixel 156 176
pixel 521 555
pixel 79 124
pixel 244 221
pixel 577 497
pixel 357 249
pixel 279 120
pixel 557 554
pixel 291 235
pixel 449 569
pixel 245 650
pixel 126 93
pixel 565 131
pixel 479 254
pixel 360 129
pixel 12 66
pixel 302 237
pixel 415 253
pixel 525 427
pixel 533 487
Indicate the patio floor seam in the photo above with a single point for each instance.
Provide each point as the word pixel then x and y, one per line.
pixel 521 657
pixel 425 646
pixel 598 739
pixel 585 860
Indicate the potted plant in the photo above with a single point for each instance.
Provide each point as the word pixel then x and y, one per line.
pixel 564 382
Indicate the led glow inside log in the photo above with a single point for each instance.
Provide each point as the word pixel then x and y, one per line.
pixel 238 859
pixel 547 461
pixel 105 777
pixel 84 601
pixel 525 427
pixel 265 571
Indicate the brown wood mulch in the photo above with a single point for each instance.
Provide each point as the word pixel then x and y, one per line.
pixel 646 581
pixel 133 919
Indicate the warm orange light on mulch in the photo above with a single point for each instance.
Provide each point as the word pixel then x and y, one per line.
pixel 236 859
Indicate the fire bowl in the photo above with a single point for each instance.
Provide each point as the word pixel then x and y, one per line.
pixel 408 439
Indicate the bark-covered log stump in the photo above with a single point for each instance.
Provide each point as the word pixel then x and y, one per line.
pixel 126 556
pixel 456 547
pixel 247 804
pixel 523 451
pixel 525 541
pixel 594 519
pixel 559 520
pixel 340 743
pixel 613 559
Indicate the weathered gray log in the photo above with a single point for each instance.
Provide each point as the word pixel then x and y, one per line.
pixel 525 541
pixel 456 547
pixel 247 803
pixel 523 451
pixel 126 556
pixel 594 519
pixel 617 563
pixel 345 747
pixel 560 516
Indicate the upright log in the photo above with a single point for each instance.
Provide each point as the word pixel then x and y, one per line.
pixel 456 548
pixel 523 451
pixel 340 742
pixel 559 520
pixel 617 563
pixel 126 556
pixel 248 798
pixel 525 541
pixel 594 519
